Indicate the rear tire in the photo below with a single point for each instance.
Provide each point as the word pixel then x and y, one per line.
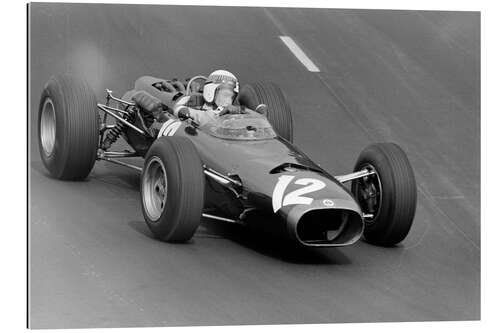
pixel 172 189
pixel 395 193
pixel 68 128
pixel 279 112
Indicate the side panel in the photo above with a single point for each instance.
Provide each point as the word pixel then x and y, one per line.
pixel 253 162
pixel 310 205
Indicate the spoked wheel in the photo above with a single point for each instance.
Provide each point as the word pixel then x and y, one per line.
pixel 388 196
pixel 172 189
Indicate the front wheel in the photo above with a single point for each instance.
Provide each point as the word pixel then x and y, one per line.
pixel 388 196
pixel 172 189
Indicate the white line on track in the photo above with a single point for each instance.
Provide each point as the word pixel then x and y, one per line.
pixel 297 51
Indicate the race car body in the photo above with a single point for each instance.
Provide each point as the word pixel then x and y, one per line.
pixel 275 178
pixel 239 168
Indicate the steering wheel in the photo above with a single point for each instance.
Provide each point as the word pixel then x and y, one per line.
pixel 193 80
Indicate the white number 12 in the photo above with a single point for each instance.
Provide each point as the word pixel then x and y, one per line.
pixel 295 197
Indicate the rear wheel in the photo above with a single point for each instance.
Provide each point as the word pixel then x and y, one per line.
pixel 279 112
pixel 172 189
pixel 389 195
pixel 68 128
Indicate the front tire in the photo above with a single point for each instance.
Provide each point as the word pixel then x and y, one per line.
pixel 68 128
pixel 279 112
pixel 172 189
pixel 390 194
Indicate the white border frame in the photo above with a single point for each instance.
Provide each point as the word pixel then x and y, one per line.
pixel 13 245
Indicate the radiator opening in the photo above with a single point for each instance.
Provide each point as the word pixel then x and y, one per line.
pixel 329 227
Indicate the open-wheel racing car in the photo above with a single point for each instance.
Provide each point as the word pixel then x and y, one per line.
pixel 239 168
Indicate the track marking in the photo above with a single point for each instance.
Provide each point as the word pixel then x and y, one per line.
pixel 297 52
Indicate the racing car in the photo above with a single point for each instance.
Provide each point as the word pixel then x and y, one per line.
pixel 238 168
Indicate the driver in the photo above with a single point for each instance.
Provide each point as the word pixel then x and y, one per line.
pixel 219 94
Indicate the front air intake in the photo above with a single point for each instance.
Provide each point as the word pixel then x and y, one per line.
pixel 329 227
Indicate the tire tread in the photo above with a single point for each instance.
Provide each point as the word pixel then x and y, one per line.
pixel 75 104
pixel 186 184
pixel 392 163
pixel 280 114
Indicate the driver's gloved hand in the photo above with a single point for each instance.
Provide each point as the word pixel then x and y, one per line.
pixel 232 109
pixel 183 113
pixel 262 109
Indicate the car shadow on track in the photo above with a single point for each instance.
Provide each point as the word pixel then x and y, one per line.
pixel 263 244
pixel 259 242
pixel 276 247
pixel 37 167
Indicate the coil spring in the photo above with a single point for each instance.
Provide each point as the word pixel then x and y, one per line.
pixel 115 132
pixel 148 119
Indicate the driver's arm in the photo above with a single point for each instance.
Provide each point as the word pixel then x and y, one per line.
pixel 182 111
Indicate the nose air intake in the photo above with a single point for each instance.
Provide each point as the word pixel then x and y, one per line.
pixel 327 227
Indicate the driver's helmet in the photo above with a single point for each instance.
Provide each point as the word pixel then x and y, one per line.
pixel 221 87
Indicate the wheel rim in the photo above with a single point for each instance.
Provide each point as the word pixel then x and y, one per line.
pixel 48 127
pixel 154 188
pixel 369 193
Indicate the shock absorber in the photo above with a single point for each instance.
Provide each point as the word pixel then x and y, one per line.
pixel 115 132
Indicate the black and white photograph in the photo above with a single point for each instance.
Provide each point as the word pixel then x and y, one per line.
pixel 245 165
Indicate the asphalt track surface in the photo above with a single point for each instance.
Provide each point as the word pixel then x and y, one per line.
pixel 407 77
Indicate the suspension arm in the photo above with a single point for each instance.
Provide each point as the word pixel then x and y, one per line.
pixel 219 177
pixel 109 96
pixel 115 161
pixel 354 175
pixel 109 110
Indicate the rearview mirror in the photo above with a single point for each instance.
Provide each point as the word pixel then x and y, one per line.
pixel 262 109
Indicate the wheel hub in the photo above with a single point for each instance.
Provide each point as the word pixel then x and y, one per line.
pixel 154 188
pixel 48 127
pixel 369 190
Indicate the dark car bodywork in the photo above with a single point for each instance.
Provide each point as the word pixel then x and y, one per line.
pixel 249 168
